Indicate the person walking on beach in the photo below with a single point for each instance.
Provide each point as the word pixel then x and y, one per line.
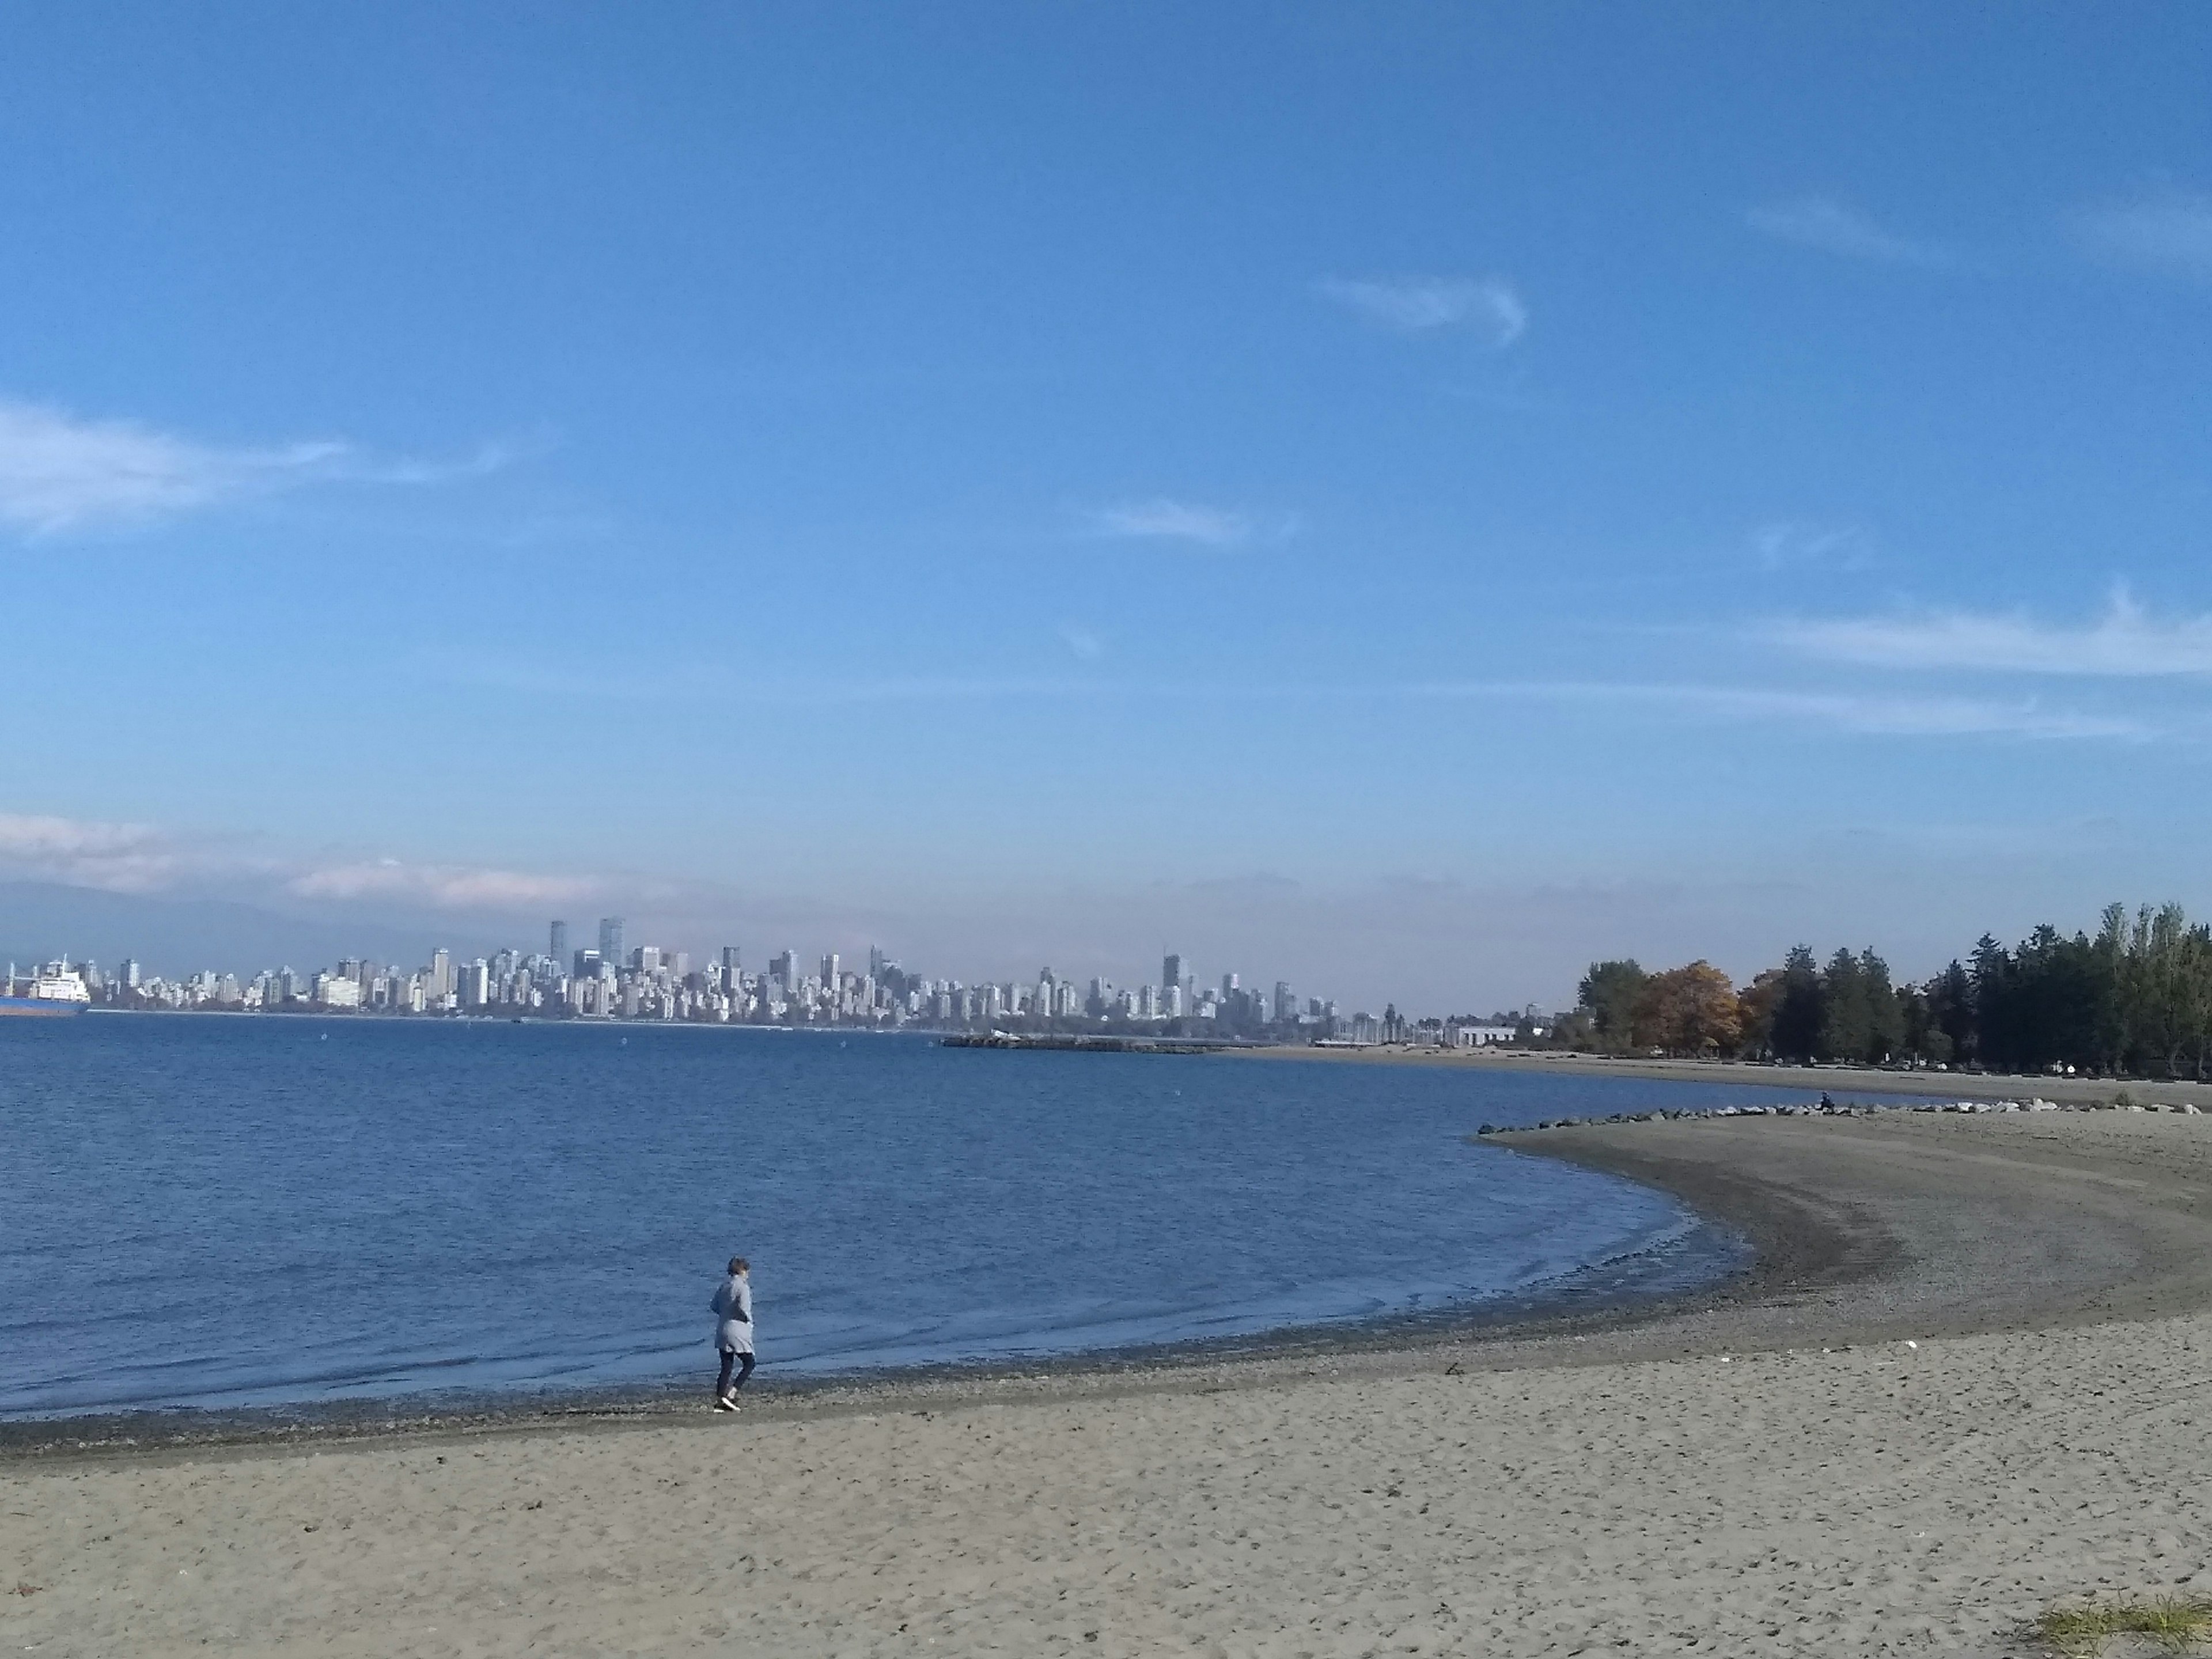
pixel 734 1332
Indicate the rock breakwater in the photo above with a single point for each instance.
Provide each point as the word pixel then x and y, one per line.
pixel 1826 1107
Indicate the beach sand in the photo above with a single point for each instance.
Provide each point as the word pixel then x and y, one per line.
pixel 1973 1374
pixel 1842 1080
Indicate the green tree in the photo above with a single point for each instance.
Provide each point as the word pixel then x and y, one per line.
pixel 1846 1019
pixel 1950 998
pixel 1925 1038
pixel 1798 1011
pixel 1610 991
pixel 1755 1008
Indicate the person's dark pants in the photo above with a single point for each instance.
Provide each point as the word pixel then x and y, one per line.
pixel 732 1357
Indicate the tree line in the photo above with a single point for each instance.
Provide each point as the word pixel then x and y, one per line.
pixel 2134 999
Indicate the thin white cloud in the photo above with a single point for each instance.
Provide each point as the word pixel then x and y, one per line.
pixel 1485 306
pixel 2124 643
pixel 1168 520
pixel 119 857
pixel 1788 545
pixel 1086 646
pixel 1830 226
pixel 60 472
pixel 444 886
pixel 2168 233
pixel 1921 717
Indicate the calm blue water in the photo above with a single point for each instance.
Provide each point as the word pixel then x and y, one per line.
pixel 206 1212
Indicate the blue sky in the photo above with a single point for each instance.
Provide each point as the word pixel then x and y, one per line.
pixel 1405 499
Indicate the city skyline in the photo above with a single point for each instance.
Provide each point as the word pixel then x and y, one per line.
pixel 652 982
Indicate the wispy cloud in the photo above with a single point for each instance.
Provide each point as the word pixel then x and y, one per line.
pixel 2124 643
pixel 59 473
pixel 2168 233
pixel 1903 716
pixel 443 886
pixel 1823 223
pixel 1916 717
pixel 1086 646
pixel 120 858
pixel 138 857
pixel 1788 545
pixel 1487 308
pixel 1167 520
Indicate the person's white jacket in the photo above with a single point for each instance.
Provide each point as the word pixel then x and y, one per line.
pixel 734 1315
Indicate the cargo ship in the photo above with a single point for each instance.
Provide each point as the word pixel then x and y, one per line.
pixel 56 991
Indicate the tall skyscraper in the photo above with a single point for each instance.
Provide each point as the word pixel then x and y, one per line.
pixel 559 945
pixel 1170 971
pixel 610 930
pixel 784 969
pixel 442 972
pixel 829 970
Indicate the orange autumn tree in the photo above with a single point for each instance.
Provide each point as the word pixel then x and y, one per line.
pixel 1691 1010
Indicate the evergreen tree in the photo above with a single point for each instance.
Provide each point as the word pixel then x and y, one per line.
pixel 1950 997
pixel 1798 1011
pixel 1846 1013
pixel 1883 1036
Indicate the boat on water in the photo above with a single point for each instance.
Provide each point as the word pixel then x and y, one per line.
pixel 55 992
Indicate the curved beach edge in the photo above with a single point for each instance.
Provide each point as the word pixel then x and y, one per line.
pixel 1885 1228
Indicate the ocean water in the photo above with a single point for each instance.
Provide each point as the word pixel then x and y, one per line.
pixel 236 1212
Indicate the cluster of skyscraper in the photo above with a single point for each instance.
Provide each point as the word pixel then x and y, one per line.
pixel 609 982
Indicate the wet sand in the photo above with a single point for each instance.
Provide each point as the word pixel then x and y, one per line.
pixel 1971 1374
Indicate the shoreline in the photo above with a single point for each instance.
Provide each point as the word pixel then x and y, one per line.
pixel 1623 1291
pixel 1735 1073
pixel 1863 1229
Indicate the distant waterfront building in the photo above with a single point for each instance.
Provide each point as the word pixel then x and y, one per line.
pixel 333 991
pixel 1171 974
pixel 829 971
pixel 557 946
pixel 129 974
pixel 784 970
pixel 475 983
pixel 611 938
pixel 1287 1004
pixel 1481 1037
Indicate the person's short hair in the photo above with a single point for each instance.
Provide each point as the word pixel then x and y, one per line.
pixel 740 1265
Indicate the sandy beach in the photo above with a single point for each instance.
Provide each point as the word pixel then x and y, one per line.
pixel 1968 1379
pixel 1753 1074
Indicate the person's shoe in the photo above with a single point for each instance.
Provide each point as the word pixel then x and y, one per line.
pixel 725 1404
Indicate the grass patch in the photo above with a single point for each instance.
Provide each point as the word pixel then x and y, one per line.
pixel 2178 1623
